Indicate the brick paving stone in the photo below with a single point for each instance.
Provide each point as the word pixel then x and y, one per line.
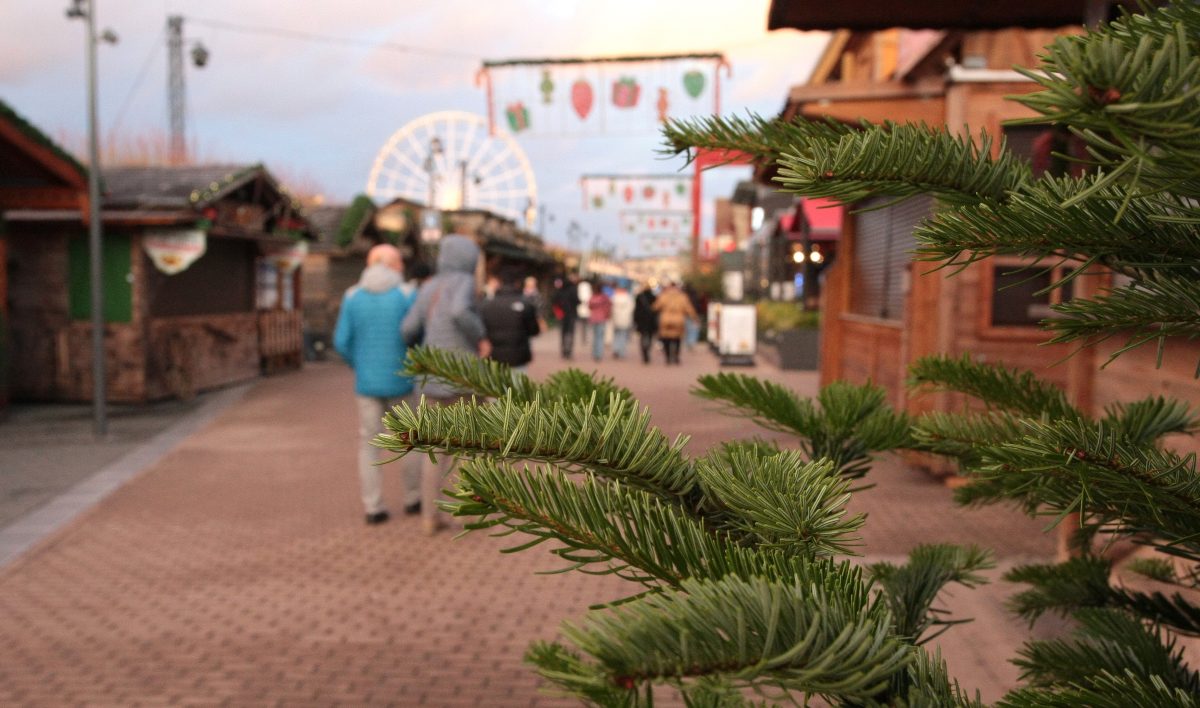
pixel 237 570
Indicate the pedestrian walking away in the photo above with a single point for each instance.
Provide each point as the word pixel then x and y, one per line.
pixel 622 319
pixel 367 336
pixel 510 320
pixel 584 288
pixel 445 315
pixel 646 321
pixel 566 308
pixel 599 312
pixel 674 309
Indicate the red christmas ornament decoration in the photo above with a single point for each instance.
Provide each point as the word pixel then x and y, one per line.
pixel 629 193
pixel 581 98
pixel 648 191
pixel 625 92
pixel 663 105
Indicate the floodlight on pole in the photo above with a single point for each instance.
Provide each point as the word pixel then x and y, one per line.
pixel 176 93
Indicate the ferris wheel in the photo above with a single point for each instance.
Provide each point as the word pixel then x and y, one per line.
pixel 452 160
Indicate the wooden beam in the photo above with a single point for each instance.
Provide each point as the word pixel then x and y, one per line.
pixel 69 173
pixel 855 91
pixel 912 110
pixel 829 57
pixel 39 198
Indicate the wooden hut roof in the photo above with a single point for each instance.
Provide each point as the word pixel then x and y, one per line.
pixel 337 225
pixel 31 163
pixel 175 187
pixel 932 14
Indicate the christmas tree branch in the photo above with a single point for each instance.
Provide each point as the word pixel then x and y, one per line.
pixel 911 589
pixel 615 440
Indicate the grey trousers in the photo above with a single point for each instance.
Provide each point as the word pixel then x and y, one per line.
pixel 370 474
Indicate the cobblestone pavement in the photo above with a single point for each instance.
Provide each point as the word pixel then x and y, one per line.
pixel 237 570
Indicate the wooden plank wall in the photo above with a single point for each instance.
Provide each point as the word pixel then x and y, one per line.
pixel 194 353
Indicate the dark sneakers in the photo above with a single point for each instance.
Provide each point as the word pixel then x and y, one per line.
pixel 377 518
pixel 412 509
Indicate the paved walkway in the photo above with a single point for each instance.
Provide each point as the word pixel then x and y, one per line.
pixel 236 570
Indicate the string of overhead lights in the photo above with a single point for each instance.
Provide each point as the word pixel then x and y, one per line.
pixel 328 39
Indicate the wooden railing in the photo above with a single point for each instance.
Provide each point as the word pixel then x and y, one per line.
pixel 280 339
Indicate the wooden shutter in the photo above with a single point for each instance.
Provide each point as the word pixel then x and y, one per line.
pixel 883 246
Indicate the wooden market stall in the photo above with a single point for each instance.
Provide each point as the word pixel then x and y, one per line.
pixel 201 281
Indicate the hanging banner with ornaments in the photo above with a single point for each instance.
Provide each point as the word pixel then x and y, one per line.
pixel 582 95
pixel 286 258
pixel 656 223
pixel 664 245
pixel 670 192
pixel 174 250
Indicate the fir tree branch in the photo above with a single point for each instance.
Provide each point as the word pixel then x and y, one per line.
pixel 763 138
pixel 1104 690
pixel 851 423
pixel 1146 421
pixel 902 160
pixel 800 637
pixel 783 502
pixel 1074 465
pixel 604 527
pixel 998 387
pixel 1107 643
pixel 483 377
pixel 1081 583
pixel 488 378
pixel 615 440
pixel 911 589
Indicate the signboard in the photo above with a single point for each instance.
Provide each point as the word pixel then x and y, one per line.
pixel 657 222
pixel 736 334
pixel 172 251
pixel 288 258
pixel 661 193
pixel 597 95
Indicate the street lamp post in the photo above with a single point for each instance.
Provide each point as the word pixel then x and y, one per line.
pixel 87 11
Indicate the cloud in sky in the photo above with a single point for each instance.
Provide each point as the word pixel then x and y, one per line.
pixel 323 109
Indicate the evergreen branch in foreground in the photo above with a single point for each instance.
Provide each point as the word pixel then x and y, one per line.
pixel 488 378
pixel 796 636
pixel 1107 642
pixel 902 160
pixel 763 138
pixel 615 440
pixel 1082 583
pixel 998 387
pixel 1146 421
pixel 911 589
pixel 482 377
pixel 1074 465
pixel 1127 236
pixel 1105 690
pixel 782 501
pixel 607 528
pixel 851 423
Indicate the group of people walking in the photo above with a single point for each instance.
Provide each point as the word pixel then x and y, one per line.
pixel 595 306
pixel 383 314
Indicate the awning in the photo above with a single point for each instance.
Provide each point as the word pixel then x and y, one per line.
pixel 932 14
pixel 823 216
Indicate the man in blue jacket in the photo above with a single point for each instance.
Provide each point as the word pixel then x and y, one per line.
pixel 368 338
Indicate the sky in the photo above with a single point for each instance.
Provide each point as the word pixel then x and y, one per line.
pixel 316 113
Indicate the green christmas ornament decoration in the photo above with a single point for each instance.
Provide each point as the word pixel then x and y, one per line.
pixel 547 87
pixel 693 83
pixel 518 116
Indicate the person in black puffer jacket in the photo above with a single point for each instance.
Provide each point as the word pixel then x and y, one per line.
pixel 510 320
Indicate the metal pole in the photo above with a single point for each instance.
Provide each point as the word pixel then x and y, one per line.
pixel 176 95
pixel 95 250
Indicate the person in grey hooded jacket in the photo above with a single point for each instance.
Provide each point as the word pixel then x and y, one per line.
pixel 445 315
